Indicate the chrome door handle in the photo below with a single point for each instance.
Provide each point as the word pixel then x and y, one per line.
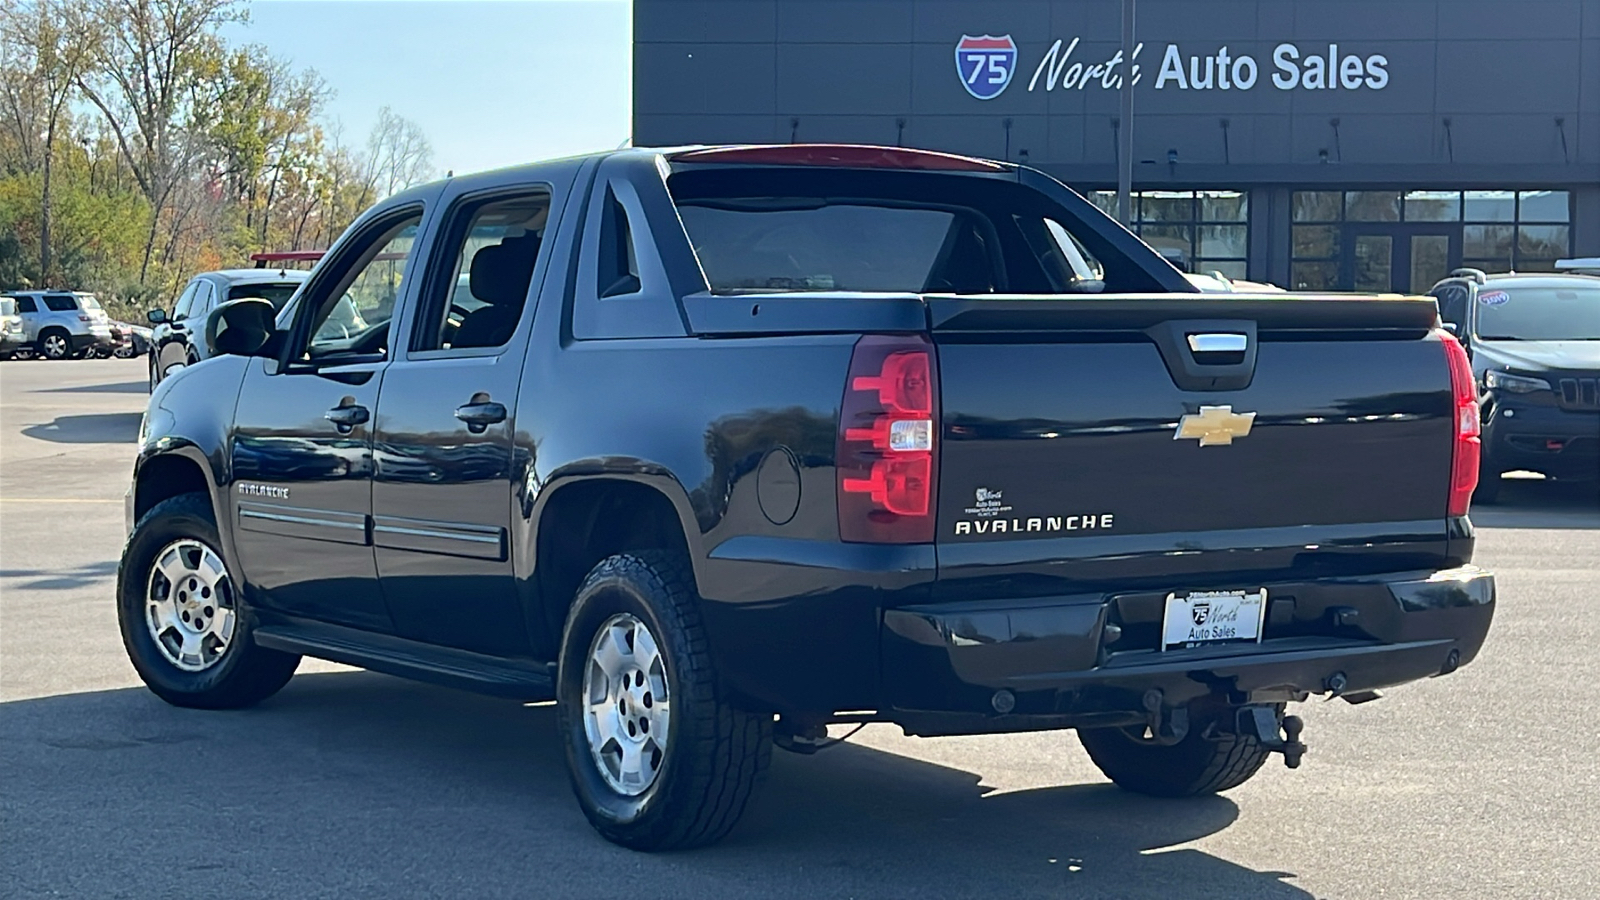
pixel 346 418
pixel 481 414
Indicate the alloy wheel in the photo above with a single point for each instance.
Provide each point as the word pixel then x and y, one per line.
pixel 55 346
pixel 627 708
pixel 189 605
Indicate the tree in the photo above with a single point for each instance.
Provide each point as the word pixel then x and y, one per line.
pixel 143 81
pixel 398 156
pixel 48 44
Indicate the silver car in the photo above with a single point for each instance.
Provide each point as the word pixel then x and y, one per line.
pixel 177 337
pixel 62 324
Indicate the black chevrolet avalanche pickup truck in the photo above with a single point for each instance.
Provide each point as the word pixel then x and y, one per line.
pixel 716 447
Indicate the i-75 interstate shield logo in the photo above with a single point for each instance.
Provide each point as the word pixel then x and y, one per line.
pixel 1201 610
pixel 985 64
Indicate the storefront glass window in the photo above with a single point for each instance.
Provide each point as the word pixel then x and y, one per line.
pixel 1197 231
pixel 1318 206
pixel 1500 231
pixel 1491 206
pixel 1542 206
pixel 1433 206
pixel 1372 206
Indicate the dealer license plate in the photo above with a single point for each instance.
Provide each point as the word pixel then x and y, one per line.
pixel 1202 618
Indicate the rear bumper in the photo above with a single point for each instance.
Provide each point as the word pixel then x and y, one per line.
pixel 1545 439
pixel 943 664
pixel 11 340
pixel 97 337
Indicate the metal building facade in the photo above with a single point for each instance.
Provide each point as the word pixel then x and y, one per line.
pixel 1354 144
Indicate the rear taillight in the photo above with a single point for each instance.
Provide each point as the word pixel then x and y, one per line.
pixel 887 452
pixel 1466 451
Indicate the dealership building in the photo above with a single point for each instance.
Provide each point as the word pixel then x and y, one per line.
pixel 1315 144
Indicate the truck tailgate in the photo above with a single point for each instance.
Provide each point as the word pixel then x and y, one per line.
pixel 1088 442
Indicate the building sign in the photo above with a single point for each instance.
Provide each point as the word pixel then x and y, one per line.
pixel 985 65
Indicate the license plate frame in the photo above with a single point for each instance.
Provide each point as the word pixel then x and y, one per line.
pixel 1194 619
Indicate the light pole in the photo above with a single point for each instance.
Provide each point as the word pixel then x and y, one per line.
pixel 1125 144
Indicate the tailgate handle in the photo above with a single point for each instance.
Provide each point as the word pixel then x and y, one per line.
pixel 1218 343
pixel 1208 354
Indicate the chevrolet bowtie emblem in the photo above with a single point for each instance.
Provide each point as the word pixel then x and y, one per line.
pixel 1214 426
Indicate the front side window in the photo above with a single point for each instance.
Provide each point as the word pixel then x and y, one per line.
pixel 180 310
pixel 353 317
pixel 1528 313
pixel 26 304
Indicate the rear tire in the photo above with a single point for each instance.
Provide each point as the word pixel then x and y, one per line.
pixel 184 624
pixel 1207 761
pixel 691 791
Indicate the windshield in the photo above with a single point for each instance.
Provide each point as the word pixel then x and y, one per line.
pixel 1516 313
pixel 276 293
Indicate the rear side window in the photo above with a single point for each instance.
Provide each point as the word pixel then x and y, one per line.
pixel 482 273
pixel 60 303
pixel 277 293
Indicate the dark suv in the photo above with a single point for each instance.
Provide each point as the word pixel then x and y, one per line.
pixel 177 338
pixel 1534 340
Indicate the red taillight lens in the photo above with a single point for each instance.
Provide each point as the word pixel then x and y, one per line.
pixel 887 453
pixel 1466 451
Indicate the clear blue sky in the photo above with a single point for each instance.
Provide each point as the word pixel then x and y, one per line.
pixel 492 83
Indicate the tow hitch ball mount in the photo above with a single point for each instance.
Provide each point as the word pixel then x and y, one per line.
pixel 1262 721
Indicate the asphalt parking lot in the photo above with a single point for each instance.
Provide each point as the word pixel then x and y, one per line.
pixel 349 784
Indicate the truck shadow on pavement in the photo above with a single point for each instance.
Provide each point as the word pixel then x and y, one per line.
pixel 97 428
pixel 60 579
pixel 354 784
pixel 121 387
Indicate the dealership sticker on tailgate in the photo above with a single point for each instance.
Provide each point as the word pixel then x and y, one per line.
pixel 1212 617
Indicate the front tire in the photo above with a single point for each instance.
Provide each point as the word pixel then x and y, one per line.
pixel 54 344
pixel 1208 760
pixel 659 759
pixel 183 623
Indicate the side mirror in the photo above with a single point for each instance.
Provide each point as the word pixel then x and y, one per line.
pixel 240 327
pixel 156 316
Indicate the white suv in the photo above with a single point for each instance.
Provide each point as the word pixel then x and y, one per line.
pixel 62 324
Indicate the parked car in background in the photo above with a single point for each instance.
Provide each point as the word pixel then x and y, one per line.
pixel 62 324
pixel 136 341
pixel 1534 340
pixel 11 336
pixel 177 338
